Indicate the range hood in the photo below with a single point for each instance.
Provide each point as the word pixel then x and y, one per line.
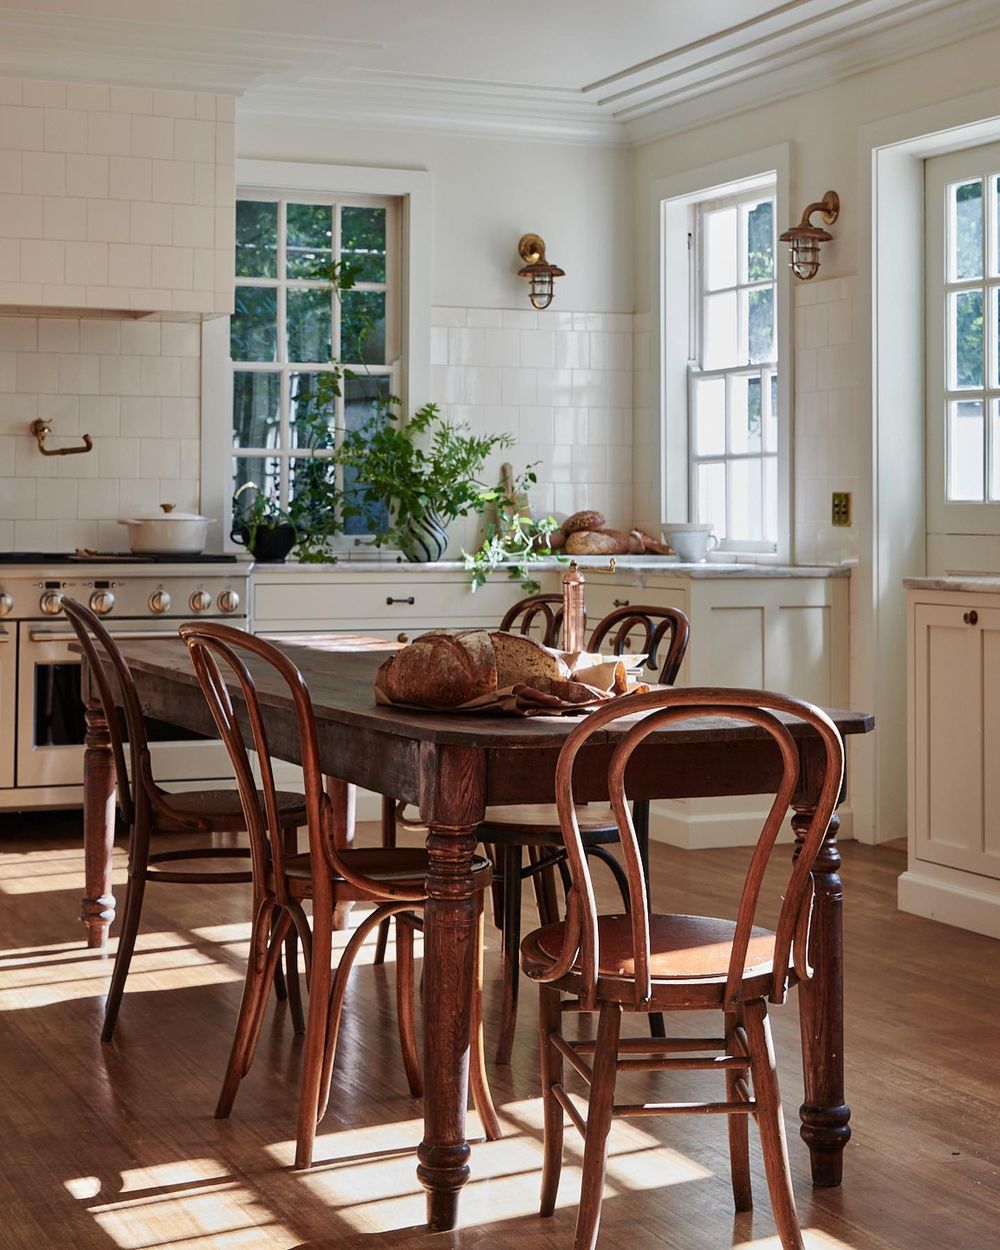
pixel 116 200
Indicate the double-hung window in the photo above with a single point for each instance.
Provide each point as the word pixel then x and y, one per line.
pixel 733 370
pixel 289 327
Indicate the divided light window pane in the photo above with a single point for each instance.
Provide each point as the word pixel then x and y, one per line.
pixel 966 446
pixel 286 329
pixel 734 385
pixel 966 252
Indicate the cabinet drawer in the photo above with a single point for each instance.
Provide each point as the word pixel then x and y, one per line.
pixel 406 603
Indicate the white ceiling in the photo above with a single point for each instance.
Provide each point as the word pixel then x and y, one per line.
pixel 577 69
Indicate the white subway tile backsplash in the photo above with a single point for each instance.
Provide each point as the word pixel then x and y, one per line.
pixel 159 375
pixel 87 175
pixel 79 374
pixel 537 349
pixel 109 133
pixel 56 499
pixel 119 375
pixel 179 338
pixel 43 173
pixel 98 498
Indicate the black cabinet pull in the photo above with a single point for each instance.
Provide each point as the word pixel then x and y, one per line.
pixel 620 603
pixel 410 600
pixel 971 618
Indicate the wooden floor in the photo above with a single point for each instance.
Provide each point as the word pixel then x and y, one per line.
pixel 115 1146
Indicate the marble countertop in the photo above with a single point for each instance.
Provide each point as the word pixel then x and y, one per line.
pixel 667 566
pixel 983 585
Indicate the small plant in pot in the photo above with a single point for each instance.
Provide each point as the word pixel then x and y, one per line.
pixel 261 525
pixel 426 470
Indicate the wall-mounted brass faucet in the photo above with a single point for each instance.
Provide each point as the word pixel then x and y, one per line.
pixel 42 429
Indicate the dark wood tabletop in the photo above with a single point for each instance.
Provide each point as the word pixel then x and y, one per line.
pixel 452 766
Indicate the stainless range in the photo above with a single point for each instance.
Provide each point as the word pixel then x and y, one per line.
pixel 41 714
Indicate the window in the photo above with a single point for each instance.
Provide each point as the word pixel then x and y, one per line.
pixel 733 370
pixel 288 326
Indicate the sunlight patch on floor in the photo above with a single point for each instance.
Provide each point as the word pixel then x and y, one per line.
pixel 42 872
pixel 813 1237
pixel 179 1204
pixel 368 1174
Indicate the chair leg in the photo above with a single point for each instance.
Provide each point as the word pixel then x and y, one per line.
pixel 478 1080
pixel 640 819
pixel 549 1022
pixel 404 1003
pixel 123 956
pixel 320 979
pixel 511 950
pixel 771 1125
pixel 739 1129
pixel 266 937
pixel 595 1151
pixel 544 884
pixel 388 840
pixel 496 885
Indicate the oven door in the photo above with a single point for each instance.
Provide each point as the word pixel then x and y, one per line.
pixel 8 688
pixel 50 720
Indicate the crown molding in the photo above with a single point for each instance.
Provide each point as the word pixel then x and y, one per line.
pixel 795 47
pixel 802 67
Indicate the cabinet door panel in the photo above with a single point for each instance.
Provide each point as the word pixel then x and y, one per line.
pixel 736 643
pixel 990 631
pixel 948 754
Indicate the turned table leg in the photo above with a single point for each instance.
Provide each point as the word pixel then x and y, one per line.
pixel 449 949
pixel 824 1113
pixel 97 910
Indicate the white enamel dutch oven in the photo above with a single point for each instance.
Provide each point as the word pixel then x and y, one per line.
pixel 167 532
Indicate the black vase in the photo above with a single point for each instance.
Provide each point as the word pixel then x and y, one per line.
pixel 270 545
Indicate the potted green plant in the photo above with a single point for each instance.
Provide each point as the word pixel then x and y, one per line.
pixel 425 471
pixel 513 539
pixel 262 525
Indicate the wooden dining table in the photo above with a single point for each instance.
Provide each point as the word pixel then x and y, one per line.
pixel 451 767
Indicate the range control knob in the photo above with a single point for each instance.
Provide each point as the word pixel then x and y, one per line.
pixel 51 603
pixel 200 601
pixel 6 604
pixel 229 601
pixel 159 602
pixel 102 601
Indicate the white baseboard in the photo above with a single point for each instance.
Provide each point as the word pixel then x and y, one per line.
pixel 700 824
pixel 966 906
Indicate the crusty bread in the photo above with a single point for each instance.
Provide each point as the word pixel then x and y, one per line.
pixel 443 669
pixel 621 539
pixel 589 520
pixel 587 543
pixel 557 539
pixel 520 659
pixel 636 543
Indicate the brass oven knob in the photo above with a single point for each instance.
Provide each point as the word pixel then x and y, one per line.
pixel 229 601
pixel 159 602
pixel 51 603
pixel 200 601
pixel 102 601
pixel 6 604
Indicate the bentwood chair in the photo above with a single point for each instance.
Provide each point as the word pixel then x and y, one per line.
pixel 391 878
pixel 148 811
pixel 510 829
pixel 645 961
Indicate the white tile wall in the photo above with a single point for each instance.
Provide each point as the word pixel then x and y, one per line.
pixel 116 197
pixel 561 383
pixel 827 418
pixel 134 386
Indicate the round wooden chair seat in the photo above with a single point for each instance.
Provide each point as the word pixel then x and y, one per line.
pixel 397 866
pixel 537 824
pixel 689 958
pixel 220 811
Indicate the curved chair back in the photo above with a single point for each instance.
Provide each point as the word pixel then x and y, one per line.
pixel 214 647
pixel 98 646
pixel 655 623
pixel 658 709
pixel 546 610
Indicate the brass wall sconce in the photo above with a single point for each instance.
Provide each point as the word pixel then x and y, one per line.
pixel 541 274
pixel 42 429
pixel 805 238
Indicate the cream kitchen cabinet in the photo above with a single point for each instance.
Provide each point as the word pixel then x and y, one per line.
pixel 8 700
pixel 953 871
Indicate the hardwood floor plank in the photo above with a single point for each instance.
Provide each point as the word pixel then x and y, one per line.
pixel 115 1147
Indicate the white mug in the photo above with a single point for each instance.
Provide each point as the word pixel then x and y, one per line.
pixel 692 543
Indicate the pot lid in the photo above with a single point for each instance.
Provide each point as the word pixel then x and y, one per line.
pixel 167 513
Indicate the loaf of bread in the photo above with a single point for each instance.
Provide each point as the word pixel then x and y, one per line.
pixel 591 543
pixel 583 521
pixel 442 669
pixel 446 669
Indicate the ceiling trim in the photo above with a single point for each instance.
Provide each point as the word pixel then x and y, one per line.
pixel 796 47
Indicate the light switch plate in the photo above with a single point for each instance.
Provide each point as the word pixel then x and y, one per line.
pixel 840 511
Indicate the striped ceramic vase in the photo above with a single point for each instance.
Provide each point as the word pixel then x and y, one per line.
pixel 426 539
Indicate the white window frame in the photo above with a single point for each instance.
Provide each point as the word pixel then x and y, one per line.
pixel 672 202
pixel 728 373
pixel 411 381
